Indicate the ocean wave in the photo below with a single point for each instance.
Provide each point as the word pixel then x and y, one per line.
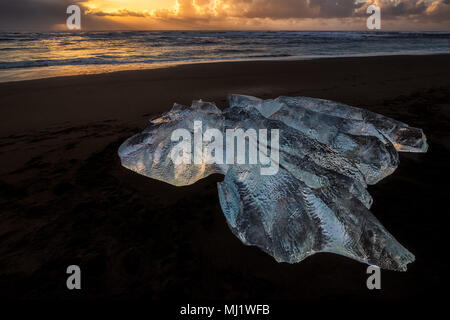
pixel 40 49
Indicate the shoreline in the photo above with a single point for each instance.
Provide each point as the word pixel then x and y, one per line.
pixel 129 94
pixel 163 65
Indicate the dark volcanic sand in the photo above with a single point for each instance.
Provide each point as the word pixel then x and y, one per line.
pixel 65 199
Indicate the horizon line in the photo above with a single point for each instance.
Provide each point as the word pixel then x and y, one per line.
pixel 227 30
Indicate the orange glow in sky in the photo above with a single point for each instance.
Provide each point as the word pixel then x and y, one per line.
pixel 131 5
pixel 265 14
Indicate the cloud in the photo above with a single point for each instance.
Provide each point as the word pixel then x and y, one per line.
pixel 118 13
pixel 419 10
pixel 44 15
pixel 439 11
pixel 231 14
pixel 335 8
pixel 282 9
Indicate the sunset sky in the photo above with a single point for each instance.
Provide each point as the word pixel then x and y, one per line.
pixel 39 15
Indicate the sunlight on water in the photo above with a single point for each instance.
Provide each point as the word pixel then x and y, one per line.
pixel 40 55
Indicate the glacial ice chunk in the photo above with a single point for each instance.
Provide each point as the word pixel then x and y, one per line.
pixel 316 201
pixel 361 121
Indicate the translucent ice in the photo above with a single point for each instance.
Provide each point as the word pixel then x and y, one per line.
pixel 307 113
pixel 317 200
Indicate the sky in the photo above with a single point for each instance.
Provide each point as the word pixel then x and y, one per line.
pixel 45 15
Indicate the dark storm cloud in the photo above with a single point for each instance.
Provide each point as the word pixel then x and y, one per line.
pixel 30 14
pixel 404 9
pixel 282 9
pixel 335 8
pixel 39 15
pixel 288 9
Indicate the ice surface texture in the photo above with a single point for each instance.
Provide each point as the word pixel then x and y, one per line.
pixel 317 201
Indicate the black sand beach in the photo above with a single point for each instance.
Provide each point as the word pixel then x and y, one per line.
pixel 65 199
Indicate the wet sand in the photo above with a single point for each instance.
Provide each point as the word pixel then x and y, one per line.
pixel 65 199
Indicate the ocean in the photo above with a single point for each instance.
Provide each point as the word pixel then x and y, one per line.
pixel 38 55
